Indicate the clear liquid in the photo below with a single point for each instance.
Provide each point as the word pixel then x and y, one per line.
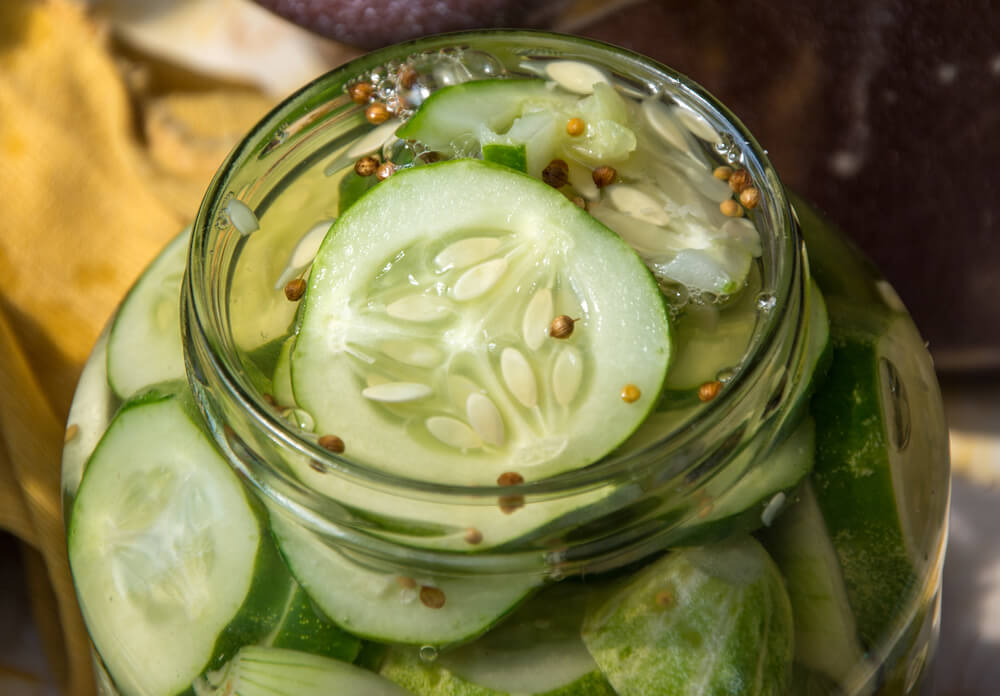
pixel 262 318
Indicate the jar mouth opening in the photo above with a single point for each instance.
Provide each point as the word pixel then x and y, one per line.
pixel 300 118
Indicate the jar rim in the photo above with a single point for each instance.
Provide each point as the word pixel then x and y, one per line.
pixel 205 310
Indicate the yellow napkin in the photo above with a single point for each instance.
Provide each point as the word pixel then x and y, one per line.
pixel 85 206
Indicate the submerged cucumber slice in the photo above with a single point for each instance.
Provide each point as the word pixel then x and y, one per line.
pixel 144 346
pixel 537 651
pixel 427 333
pixel 866 476
pixel 383 606
pixel 165 548
pixel 257 671
pixel 826 636
pixel 706 620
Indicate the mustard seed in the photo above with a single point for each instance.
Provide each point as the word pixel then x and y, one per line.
pixel 473 536
pixel 360 92
pixel 722 173
pixel 385 170
pixel 431 597
pixel 575 126
pixel 630 393
pixel 510 478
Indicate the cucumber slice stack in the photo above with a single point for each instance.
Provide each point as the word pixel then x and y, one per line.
pixel 166 549
pixel 427 330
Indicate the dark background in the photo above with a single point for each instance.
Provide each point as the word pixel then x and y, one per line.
pixel 884 113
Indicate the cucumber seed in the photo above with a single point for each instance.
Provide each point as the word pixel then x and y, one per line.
pixel 561 327
pixel 360 92
pixel 366 166
pixel 377 113
pixel 295 289
pixel 406 582
pixel 385 171
pixel 473 536
pixel 731 208
pixel 604 176
pixel 630 393
pixel 71 432
pixel 739 180
pixel 556 174
pixel 709 390
pixel 431 597
pixel 722 173
pixel 750 197
pixel 575 126
pixel 331 443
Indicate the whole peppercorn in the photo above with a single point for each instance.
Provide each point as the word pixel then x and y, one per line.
pixel 366 166
pixel 604 176
pixel 556 173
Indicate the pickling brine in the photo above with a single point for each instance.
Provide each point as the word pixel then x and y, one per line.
pixel 501 363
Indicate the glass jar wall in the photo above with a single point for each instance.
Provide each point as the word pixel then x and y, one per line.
pixel 773 504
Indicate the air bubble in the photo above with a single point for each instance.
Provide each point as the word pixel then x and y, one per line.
pixel 482 65
pixel 765 302
pixel 428 653
pixel 898 406
pixel 726 374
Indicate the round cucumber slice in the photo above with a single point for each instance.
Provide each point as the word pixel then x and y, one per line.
pixel 144 346
pixel 385 606
pixel 424 340
pixel 705 620
pixel 258 671
pixel 167 551
pixel 537 651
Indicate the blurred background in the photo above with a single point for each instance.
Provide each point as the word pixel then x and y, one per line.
pixel 884 113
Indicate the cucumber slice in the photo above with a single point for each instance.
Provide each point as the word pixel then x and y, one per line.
pixel 168 555
pixel 428 336
pixel 257 671
pixel 451 118
pixel 144 346
pixel 706 620
pixel 537 651
pixel 512 156
pixel 380 605
pixel 872 454
pixel 301 626
pixel 826 635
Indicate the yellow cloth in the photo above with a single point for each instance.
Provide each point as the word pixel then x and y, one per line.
pixel 85 206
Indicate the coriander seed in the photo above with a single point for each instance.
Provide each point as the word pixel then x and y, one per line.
pixel 604 176
pixel 377 113
pixel 739 180
pixel 731 208
pixel 295 289
pixel 709 390
pixel 561 327
pixel 750 197
pixel 366 166
pixel 556 173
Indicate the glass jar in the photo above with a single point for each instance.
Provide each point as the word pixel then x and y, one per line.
pixel 219 540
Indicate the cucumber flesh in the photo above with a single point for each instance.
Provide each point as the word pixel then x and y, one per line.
pixel 260 671
pixel 164 547
pixel 144 346
pixel 866 478
pixel 826 635
pixel 429 335
pixel 537 651
pixel 379 604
